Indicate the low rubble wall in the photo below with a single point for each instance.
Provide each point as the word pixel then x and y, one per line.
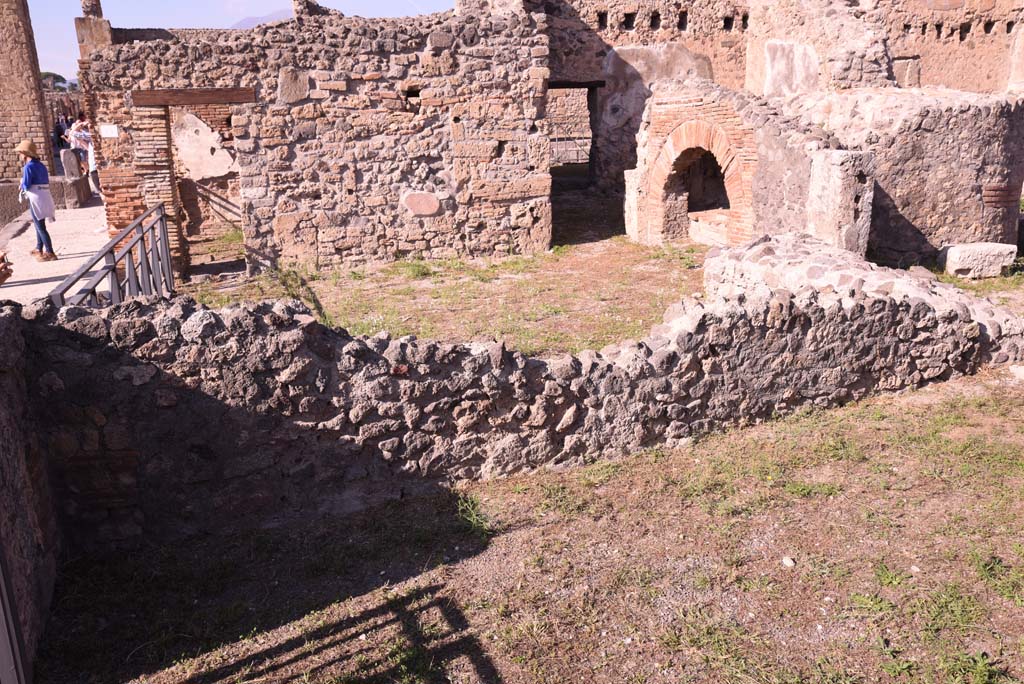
pixel 168 419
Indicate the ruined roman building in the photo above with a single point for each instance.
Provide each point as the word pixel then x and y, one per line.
pixel 819 145
pixel 887 127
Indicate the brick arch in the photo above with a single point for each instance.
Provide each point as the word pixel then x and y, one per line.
pixel 735 154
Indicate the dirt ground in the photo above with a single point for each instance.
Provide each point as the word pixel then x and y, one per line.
pixel 592 289
pixel 881 542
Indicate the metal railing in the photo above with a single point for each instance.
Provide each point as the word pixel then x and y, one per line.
pixel 136 262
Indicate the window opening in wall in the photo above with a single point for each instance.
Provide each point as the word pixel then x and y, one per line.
pixel 745 22
pixel 727 23
pixel 965 30
pixel 684 19
pixel 924 29
pixel 655 20
pixel 602 20
pixel 938 30
pixel 629 21
pixel 1010 25
pixel 907 28
pixel 990 26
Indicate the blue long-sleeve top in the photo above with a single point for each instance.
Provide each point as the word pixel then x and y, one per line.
pixel 35 174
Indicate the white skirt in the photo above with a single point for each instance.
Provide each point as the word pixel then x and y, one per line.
pixel 41 202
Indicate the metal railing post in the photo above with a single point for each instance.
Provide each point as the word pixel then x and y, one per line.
pixel 113 281
pixel 145 279
pixel 165 245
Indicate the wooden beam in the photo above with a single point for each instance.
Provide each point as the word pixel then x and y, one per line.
pixel 567 85
pixel 192 96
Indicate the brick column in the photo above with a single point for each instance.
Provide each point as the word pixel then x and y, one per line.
pixel 154 166
pixel 22 108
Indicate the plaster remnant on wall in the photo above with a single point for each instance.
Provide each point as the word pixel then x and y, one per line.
pixel 790 69
pixel 200 149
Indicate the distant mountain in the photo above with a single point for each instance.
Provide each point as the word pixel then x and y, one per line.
pixel 250 22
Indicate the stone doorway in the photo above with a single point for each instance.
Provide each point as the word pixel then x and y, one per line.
pixel 568 115
pixel 579 214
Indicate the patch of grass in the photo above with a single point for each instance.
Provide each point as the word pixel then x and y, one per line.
pixel 563 499
pixel 887 577
pixel 599 474
pixel 1004 579
pixel 839 447
pixel 410 664
pixel 870 604
pixel 950 610
pixel 234 236
pixel 412 269
pixel 810 490
pixel 977 668
pixel 473 517
pixel 688 257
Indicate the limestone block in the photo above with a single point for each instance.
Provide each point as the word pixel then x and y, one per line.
pixel 200 150
pixel 907 71
pixel 977 259
pixel 421 203
pixel 292 85
pixel 69 160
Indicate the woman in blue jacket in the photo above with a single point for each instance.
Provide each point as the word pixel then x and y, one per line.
pixel 35 186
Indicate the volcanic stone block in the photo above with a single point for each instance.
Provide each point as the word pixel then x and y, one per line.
pixel 292 85
pixel 978 259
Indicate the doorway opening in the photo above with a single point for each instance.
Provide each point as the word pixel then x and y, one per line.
pixel 578 214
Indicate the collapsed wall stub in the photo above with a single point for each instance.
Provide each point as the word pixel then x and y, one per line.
pixel 189 421
pixel 365 139
pixel 777 175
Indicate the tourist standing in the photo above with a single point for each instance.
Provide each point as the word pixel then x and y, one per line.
pixel 94 174
pixel 35 186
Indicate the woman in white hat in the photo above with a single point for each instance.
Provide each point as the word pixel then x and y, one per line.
pixel 35 185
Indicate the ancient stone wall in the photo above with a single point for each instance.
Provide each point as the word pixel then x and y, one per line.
pixel 10 206
pixel 962 44
pixel 22 112
pixel 370 139
pixel 801 46
pixel 29 538
pixel 948 166
pixel 584 32
pixel 169 419
pixel 626 47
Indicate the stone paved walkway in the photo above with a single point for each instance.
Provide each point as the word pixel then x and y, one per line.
pixel 77 234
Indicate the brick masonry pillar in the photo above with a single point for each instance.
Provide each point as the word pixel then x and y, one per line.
pixel 22 107
pixel 154 166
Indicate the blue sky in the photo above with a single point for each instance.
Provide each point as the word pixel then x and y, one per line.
pixel 54 20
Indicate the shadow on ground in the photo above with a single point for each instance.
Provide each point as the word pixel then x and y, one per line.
pixel 582 215
pixel 124 617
